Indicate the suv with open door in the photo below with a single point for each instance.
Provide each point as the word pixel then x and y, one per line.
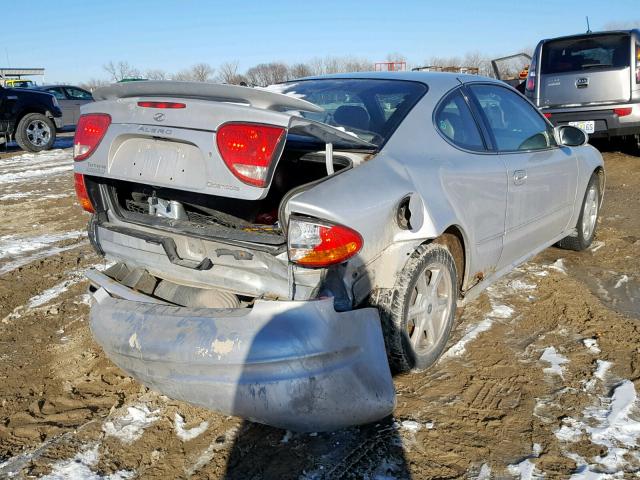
pixel 591 81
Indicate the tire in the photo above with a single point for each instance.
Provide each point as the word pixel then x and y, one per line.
pixel 588 219
pixel 36 132
pixel 408 342
pixel 633 143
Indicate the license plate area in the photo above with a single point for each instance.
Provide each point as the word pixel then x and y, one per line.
pixel 159 162
pixel 588 126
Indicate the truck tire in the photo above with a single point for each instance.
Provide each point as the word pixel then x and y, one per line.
pixel 35 132
pixel 419 312
pixel 634 145
pixel 588 219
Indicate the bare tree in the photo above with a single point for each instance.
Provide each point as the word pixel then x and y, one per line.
pixel 477 60
pixel 228 73
pixel 121 70
pixel 202 72
pixel 156 74
pixel 268 73
pixel 300 70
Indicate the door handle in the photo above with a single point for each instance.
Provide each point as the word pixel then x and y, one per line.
pixel 519 177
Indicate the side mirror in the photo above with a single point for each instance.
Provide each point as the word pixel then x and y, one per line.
pixel 570 136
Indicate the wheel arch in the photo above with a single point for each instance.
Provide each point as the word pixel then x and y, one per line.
pixel 454 239
pixel 31 109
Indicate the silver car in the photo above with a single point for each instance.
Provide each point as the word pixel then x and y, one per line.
pixel 70 99
pixel 591 81
pixel 276 251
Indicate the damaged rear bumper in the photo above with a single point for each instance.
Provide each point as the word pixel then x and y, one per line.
pixel 295 365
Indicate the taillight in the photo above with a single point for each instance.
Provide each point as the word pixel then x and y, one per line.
pixel 161 105
pixel 622 112
pixel 531 82
pixel 318 244
pixel 89 133
pixel 250 150
pixel 547 115
pixel 81 192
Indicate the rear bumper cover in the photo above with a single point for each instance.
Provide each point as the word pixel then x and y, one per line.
pixel 607 123
pixel 295 365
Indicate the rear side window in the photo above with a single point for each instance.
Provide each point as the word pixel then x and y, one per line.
pixel 596 52
pixel 78 93
pixel 57 92
pixel 514 122
pixel 454 120
pixel 370 109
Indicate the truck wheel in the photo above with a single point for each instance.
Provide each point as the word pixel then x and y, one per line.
pixel 35 132
pixel 588 219
pixel 420 311
pixel 634 144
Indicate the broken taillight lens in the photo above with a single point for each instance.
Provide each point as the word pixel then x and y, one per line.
pixel 250 150
pixel 317 244
pixel 81 192
pixel 89 133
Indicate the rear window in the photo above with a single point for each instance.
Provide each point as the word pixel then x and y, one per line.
pixel 597 52
pixel 370 109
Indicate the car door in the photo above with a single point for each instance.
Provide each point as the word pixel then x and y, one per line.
pixel 475 180
pixel 66 105
pixel 542 177
pixel 78 97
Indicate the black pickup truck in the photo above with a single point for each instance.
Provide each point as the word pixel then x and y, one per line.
pixel 31 117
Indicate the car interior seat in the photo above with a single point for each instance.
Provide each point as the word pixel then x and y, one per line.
pixel 353 116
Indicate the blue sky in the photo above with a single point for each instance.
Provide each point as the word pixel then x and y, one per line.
pixel 74 39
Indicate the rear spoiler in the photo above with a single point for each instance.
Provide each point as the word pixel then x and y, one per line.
pixel 206 91
pixel 254 97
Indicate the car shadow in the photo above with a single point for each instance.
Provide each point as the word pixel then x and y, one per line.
pixel 373 450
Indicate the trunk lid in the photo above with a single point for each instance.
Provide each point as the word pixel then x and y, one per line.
pixel 586 70
pixel 176 147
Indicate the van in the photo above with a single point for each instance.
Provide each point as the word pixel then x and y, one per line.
pixel 591 81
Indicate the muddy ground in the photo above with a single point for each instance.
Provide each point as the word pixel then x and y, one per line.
pixel 539 379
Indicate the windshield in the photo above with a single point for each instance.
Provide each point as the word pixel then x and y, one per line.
pixel 586 53
pixel 370 109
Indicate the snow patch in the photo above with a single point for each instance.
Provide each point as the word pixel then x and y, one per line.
pixel 49 294
pixel 624 279
pixel 609 425
pixel 13 245
pixel 410 425
pixel 526 470
pixel 555 360
pixel 131 426
pixel 558 266
pixel 484 473
pixel 79 468
pixel 461 346
pixel 602 367
pixel 287 436
pixel 592 345
pixel 31 174
pixel 521 286
pixel 185 434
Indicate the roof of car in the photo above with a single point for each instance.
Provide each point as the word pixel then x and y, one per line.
pixel 588 34
pixel 428 78
pixel 58 86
